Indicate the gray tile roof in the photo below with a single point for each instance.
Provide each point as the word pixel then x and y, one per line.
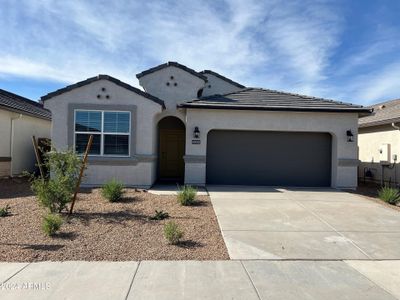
pixel 103 77
pixel 174 64
pixel 264 99
pixel 223 78
pixel 384 113
pixel 19 104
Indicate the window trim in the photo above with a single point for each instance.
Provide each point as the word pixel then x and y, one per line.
pixel 102 133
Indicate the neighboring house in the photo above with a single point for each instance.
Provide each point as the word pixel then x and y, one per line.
pixel 379 144
pixel 230 135
pixel 20 119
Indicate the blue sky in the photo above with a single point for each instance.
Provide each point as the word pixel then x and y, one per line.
pixel 344 50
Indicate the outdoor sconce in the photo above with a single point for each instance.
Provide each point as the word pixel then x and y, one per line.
pixel 350 136
pixel 196 132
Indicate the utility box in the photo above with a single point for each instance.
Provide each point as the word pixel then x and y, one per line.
pixel 384 151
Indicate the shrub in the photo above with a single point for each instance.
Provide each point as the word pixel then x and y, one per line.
pixel 172 233
pixel 112 190
pixel 389 195
pixel 187 195
pixel 159 215
pixel 55 192
pixel 5 211
pixel 51 224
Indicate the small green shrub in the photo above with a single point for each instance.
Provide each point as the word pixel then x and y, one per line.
pixel 52 194
pixel 172 233
pixel 159 215
pixel 51 224
pixel 5 211
pixel 56 191
pixel 389 195
pixel 112 190
pixel 187 195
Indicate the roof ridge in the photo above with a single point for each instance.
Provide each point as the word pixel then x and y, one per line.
pixel 385 102
pixel 222 77
pixel 168 64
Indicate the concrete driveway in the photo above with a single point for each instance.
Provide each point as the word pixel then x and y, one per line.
pixel 280 223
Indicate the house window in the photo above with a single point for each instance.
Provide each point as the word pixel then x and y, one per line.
pixel 110 130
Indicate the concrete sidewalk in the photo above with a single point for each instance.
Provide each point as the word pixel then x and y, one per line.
pixel 252 279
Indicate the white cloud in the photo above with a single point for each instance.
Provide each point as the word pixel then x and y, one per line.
pixel 283 45
pixel 379 86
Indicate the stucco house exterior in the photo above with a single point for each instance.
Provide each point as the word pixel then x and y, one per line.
pixel 20 119
pixel 203 128
pixel 379 144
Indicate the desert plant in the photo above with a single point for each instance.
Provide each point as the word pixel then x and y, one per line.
pixel 55 192
pixel 5 211
pixel 389 195
pixel 172 233
pixel 186 195
pixel 112 190
pixel 51 224
pixel 159 215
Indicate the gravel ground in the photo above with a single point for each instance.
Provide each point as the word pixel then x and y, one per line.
pixel 370 192
pixel 99 230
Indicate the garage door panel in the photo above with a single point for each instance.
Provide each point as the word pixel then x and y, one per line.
pixel 269 158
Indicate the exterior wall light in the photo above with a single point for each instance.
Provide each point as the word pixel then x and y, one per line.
pixel 196 132
pixel 350 136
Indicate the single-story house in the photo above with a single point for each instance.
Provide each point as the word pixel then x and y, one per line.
pixel 379 144
pixel 203 128
pixel 20 119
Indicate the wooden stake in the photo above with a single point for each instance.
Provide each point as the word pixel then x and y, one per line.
pixel 39 161
pixel 88 146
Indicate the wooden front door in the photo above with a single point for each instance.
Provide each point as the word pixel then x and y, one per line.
pixel 171 151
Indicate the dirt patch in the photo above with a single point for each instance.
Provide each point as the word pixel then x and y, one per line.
pixel 99 230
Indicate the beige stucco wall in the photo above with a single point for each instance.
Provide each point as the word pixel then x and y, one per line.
pixel 369 142
pixel 23 155
pixel 16 131
pixel 138 170
pixel 216 85
pixel 344 154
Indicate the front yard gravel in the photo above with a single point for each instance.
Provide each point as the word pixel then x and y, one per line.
pixel 100 230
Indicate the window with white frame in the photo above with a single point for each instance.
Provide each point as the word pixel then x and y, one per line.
pixel 110 130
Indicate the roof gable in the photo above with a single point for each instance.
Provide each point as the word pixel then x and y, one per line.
pixel 14 102
pixel 103 77
pixel 173 64
pixel 264 99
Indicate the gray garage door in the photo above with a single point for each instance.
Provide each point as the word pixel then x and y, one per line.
pixel 269 158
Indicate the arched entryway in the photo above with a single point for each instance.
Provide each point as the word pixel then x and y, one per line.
pixel 171 149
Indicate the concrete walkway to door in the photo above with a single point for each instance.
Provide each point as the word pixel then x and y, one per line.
pixel 317 224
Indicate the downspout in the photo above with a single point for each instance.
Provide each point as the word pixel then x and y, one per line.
pixel 12 142
pixel 395 168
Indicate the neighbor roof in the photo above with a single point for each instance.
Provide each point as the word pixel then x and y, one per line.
pixel 174 64
pixel 103 77
pixel 264 99
pixel 19 104
pixel 384 113
pixel 223 78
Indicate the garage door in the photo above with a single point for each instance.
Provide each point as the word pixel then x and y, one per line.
pixel 269 158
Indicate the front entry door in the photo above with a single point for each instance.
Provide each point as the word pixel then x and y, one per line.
pixel 172 149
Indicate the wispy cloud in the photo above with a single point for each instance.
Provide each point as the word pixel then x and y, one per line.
pixel 288 46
